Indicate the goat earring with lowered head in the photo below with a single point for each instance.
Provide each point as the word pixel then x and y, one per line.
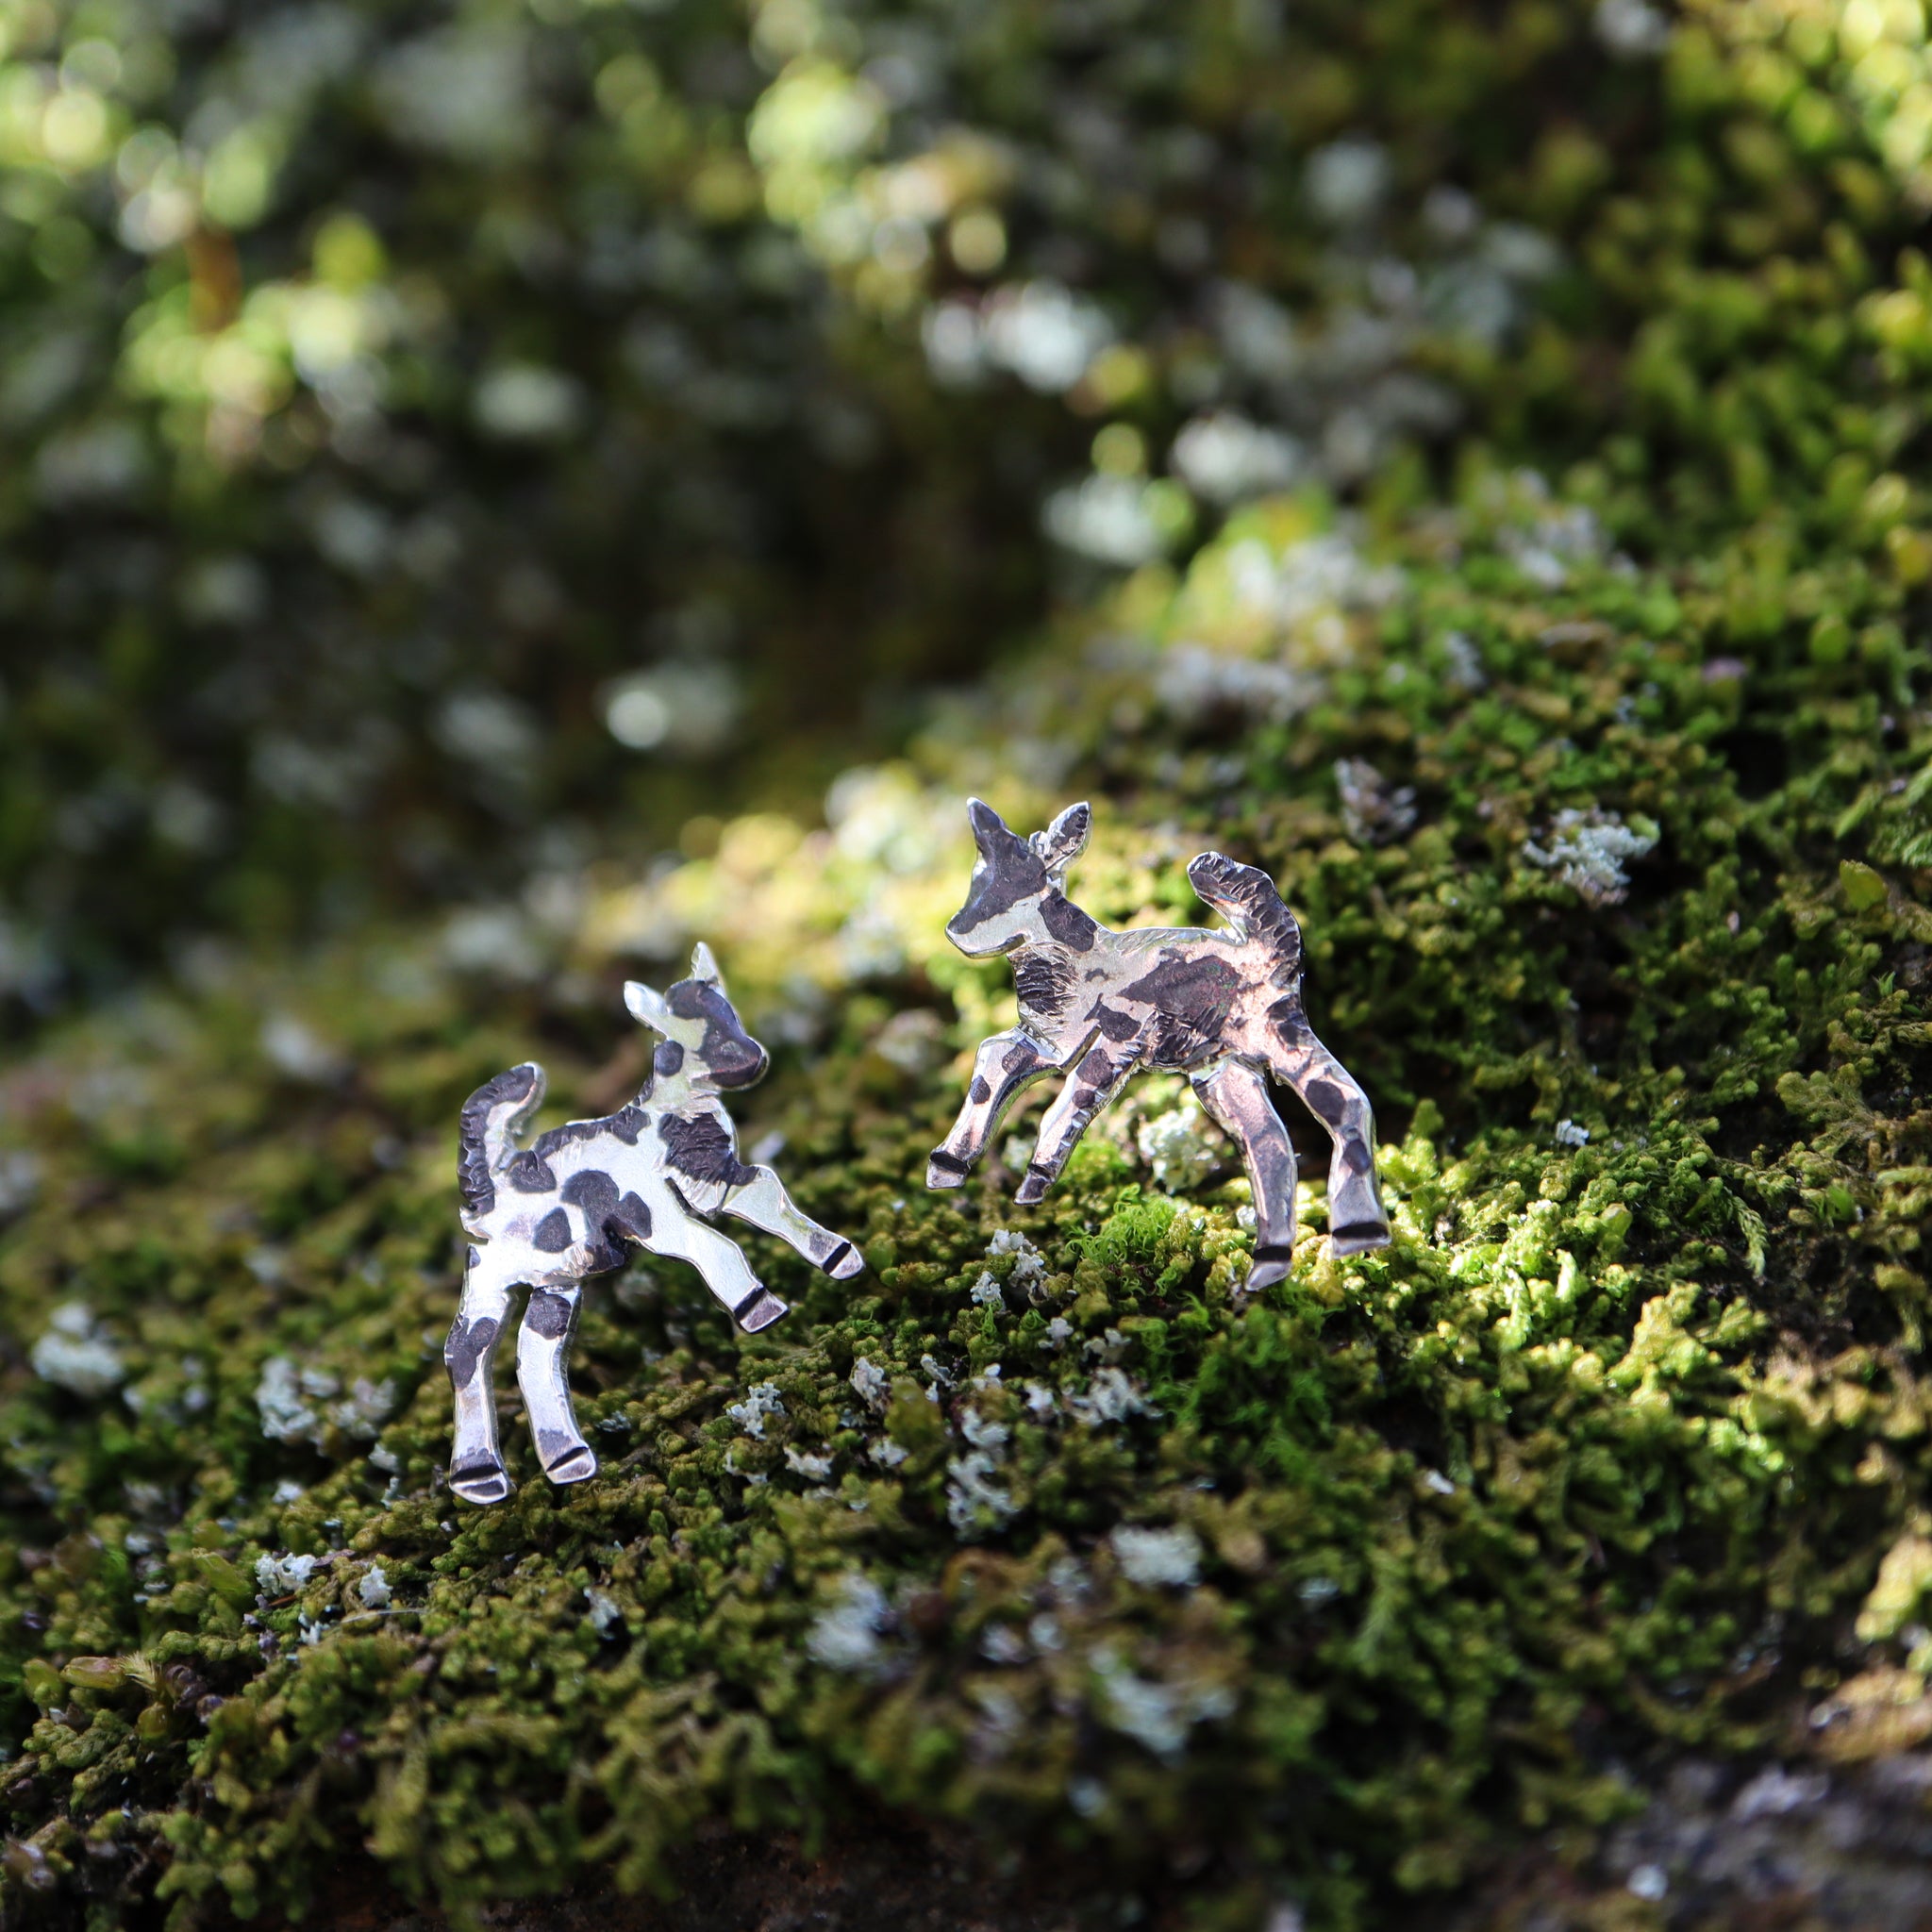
pixel 1224 1007
pixel 572 1205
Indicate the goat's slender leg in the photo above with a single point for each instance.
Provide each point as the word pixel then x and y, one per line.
pixel 550 1318
pixel 1090 1086
pixel 1237 1098
pixel 721 1261
pixel 1356 1218
pixel 763 1202
pixel 1006 1063
pixel 476 1465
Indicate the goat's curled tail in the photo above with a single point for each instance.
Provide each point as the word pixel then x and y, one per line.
pixel 1246 898
pixel 491 1119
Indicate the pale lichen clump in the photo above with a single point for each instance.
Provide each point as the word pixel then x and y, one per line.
pixel 1587 850
pixel 1171 1557
pixel 1181 1147
pixel 280 1574
pixel 1155 1714
pixel 1372 811
pixel 760 1402
pixel 76 1355
pixel 299 1405
pixel 846 1636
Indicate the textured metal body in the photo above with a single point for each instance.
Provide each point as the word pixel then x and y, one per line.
pixel 573 1204
pixel 1225 1007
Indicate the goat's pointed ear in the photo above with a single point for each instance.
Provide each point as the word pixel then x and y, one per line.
pixel 988 825
pixel 647 1007
pixel 1064 839
pixel 704 967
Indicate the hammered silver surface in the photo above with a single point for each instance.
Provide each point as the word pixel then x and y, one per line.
pixel 1224 1007
pixel 577 1201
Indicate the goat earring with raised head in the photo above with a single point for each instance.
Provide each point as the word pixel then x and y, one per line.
pixel 574 1203
pixel 1224 1007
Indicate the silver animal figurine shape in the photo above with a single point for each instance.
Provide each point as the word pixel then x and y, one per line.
pixel 548 1215
pixel 1223 1007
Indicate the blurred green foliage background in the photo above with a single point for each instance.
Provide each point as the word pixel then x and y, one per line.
pixel 436 442
pixel 381 389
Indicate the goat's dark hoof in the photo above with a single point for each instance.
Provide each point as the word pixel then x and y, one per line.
pixel 758 1311
pixel 575 1465
pixel 843 1263
pixel 1359 1238
pixel 481 1482
pixel 943 1169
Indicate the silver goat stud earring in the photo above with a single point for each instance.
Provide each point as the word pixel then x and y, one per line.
pixel 1223 1007
pixel 568 1207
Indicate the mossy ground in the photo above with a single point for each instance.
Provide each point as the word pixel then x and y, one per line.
pixel 1606 1449
pixel 1601 789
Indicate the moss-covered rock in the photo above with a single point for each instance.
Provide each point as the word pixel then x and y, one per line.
pixel 1043 1525
pixel 1601 791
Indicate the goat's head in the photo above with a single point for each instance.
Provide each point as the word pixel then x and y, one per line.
pixel 704 1038
pixel 1012 877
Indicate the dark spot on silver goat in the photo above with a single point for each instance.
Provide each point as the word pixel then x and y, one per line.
pixel 528 1172
pixel 549 1315
pixel 592 1189
pixel 703 1150
pixel 469 1343
pixel 1067 922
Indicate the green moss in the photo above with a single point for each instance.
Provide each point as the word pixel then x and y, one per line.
pixel 1615 1420
pixel 1618 905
